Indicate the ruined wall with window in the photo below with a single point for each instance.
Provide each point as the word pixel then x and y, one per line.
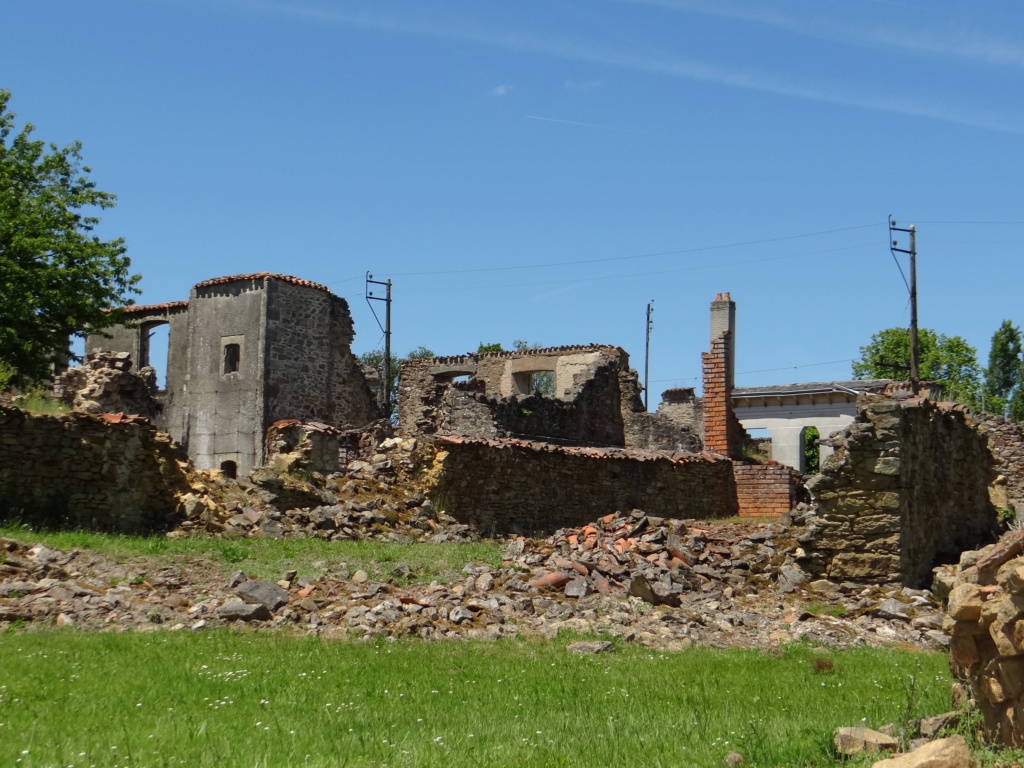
pixel 596 399
pixel 245 351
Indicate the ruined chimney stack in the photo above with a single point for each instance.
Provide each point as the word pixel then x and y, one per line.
pixel 723 318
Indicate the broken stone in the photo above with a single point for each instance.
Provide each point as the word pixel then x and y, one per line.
pixel 263 592
pixel 238 610
pixel 943 753
pixel 853 741
pixel 591 646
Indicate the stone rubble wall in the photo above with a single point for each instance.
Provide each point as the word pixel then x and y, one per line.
pixel 309 368
pixel 906 488
pixel 82 471
pixel 504 486
pixel 106 384
pixel 985 617
pixel 1006 444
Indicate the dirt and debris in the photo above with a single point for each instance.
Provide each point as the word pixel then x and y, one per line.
pixel 686 584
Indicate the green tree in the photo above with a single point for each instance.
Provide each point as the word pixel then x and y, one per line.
pixel 948 360
pixel 1002 376
pixel 375 359
pixel 57 279
pixel 812 451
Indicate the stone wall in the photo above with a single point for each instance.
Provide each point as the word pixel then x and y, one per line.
pixel 906 488
pixel 594 387
pixel 506 486
pixel 985 617
pixel 1006 444
pixel 596 401
pixel 311 373
pixel 105 383
pixel 765 490
pixel 89 472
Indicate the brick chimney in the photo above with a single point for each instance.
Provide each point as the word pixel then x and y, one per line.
pixel 723 432
pixel 723 318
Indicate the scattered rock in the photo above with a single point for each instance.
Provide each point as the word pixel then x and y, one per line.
pixel 944 753
pixel 853 741
pixel 588 647
pixel 263 592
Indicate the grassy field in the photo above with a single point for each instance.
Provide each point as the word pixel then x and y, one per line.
pixel 257 699
pixel 269 558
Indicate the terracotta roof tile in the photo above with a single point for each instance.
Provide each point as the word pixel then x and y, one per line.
pixel 262 275
pixel 148 309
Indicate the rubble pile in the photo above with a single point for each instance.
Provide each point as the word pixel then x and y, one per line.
pixel 372 499
pixel 706 599
pixel 985 618
pixel 106 384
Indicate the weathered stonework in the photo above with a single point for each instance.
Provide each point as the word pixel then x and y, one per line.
pixel 519 486
pixel 106 384
pixel 1006 446
pixel 83 471
pixel 906 488
pixel 243 352
pixel 984 598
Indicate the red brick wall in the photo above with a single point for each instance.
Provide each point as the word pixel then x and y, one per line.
pixel 763 489
pixel 723 432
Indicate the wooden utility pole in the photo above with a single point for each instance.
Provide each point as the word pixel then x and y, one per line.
pixel 647 347
pixel 915 374
pixel 386 382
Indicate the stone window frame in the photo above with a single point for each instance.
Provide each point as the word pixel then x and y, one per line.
pixel 232 350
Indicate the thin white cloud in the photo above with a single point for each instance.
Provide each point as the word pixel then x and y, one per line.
pixel 501 90
pixel 527 42
pixel 953 43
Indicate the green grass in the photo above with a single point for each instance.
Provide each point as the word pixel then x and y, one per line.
pixel 252 699
pixel 269 558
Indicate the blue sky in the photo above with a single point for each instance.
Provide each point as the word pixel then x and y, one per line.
pixel 542 170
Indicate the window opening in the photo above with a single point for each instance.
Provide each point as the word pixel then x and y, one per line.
pixel 229 469
pixel 232 357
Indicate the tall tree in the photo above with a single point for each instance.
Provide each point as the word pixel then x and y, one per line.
pixel 1002 376
pixel 57 279
pixel 948 360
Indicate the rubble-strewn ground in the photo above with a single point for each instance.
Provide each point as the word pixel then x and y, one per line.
pixel 664 584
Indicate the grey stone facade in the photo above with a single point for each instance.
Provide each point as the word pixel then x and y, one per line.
pixel 243 352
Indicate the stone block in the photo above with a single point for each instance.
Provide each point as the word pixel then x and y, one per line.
pixel 965 602
pixel 942 753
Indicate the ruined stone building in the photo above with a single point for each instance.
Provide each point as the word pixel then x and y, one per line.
pixel 244 352
pixel 511 458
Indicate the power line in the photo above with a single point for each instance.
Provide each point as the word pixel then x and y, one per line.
pixel 761 370
pixel 637 255
pixel 620 275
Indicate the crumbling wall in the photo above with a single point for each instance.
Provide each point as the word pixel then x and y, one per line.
pixel 310 371
pixel 594 387
pixel 985 618
pixel 906 488
pixel 517 486
pixel 1006 445
pixel 109 473
pixel 678 424
pixel 105 384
